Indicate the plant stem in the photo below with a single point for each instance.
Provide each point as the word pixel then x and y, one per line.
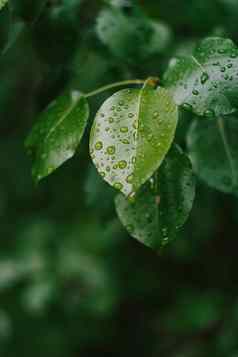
pixel 113 85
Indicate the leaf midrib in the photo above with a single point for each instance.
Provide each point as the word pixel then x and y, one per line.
pixel 73 104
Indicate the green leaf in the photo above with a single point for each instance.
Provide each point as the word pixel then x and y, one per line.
pixel 163 205
pixel 131 134
pixel 207 81
pixel 56 136
pixel 130 36
pixel 3 3
pixel 214 152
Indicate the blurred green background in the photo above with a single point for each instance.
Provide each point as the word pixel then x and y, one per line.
pixel 72 282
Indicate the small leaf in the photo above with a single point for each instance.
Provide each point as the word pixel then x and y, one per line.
pixel 131 134
pixel 3 3
pixel 214 152
pixel 207 81
pixel 56 136
pixel 163 204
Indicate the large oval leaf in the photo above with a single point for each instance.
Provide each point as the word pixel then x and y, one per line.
pixel 163 205
pixel 207 81
pixel 57 134
pixel 214 152
pixel 131 134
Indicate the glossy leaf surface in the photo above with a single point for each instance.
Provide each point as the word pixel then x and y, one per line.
pixel 207 81
pixel 57 134
pixel 163 204
pixel 214 152
pixel 131 134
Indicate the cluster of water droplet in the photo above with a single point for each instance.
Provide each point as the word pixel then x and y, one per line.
pixel 204 82
pixel 113 139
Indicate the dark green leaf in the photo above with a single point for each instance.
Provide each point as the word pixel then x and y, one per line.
pixel 3 3
pixel 214 152
pixel 130 36
pixel 207 81
pixel 131 134
pixel 56 136
pixel 163 205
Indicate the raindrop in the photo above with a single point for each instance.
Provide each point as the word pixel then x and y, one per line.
pixel 195 92
pixel 187 106
pixel 129 178
pixel 204 77
pixel 111 150
pixel 122 164
pixel 209 113
pixel 124 129
pixel 99 145
pixel 118 185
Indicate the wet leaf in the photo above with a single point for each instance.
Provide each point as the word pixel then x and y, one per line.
pixel 162 206
pixel 57 134
pixel 131 134
pixel 214 152
pixel 207 81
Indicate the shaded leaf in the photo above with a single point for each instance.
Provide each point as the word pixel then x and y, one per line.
pixel 15 30
pixel 163 204
pixel 129 36
pixel 207 81
pixel 3 3
pixel 131 134
pixel 214 152
pixel 56 136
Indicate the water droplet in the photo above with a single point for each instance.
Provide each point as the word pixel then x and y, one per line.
pixel 131 197
pixel 122 164
pixel 111 120
pixel 111 150
pixel 187 106
pixel 124 129
pixel 209 113
pixel 223 69
pixel 125 141
pixel 195 92
pixel 129 178
pixel 99 145
pixel 118 185
pixel 204 77
pixel 130 115
pixel 135 124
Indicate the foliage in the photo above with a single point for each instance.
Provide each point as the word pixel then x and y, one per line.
pixel 72 283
